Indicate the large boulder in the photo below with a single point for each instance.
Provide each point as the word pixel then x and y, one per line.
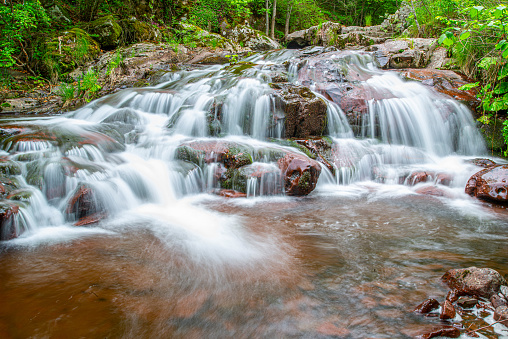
pixel 137 31
pixel 399 21
pixel 195 36
pixel 238 167
pixel 333 34
pixel 325 34
pixel 107 30
pixel 68 50
pixel 404 53
pixel 248 37
pixel 490 184
pixel 473 281
pixel 305 113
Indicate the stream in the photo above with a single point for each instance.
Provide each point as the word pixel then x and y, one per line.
pixel 118 236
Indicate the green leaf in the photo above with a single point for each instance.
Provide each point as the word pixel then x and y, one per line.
pixel 486 62
pixel 505 54
pixel 498 14
pixel 448 42
pixel 467 87
pixel 441 39
pixel 501 45
pixel 465 35
pixel 501 88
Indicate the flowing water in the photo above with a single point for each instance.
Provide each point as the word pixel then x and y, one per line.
pixel 170 259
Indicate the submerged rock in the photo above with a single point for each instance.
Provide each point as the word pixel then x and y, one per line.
pixel 490 184
pixel 467 302
pixel 473 281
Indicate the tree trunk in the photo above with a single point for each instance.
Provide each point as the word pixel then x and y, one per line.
pixel 288 16
pixel 273 19
pixel 416 19
pixel 267 17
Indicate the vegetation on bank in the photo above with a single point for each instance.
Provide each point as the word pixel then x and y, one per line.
pixel 48 39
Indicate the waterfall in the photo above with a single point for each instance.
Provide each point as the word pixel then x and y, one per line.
pixel 120 153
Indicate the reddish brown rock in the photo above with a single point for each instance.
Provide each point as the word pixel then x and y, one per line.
pixel 498 300
pixel 446 82
pixel 490 184
pixel 427 306
pixel 448 331
pixel 467 302
pixel 418 177
pixel 485 163
pixel 8 225
pixel 231 194
pixel 300 173
pixel 447 311
pixel 305 113
pixel 85 207
pixel 473 281
pixel 231 154
pixel 501 314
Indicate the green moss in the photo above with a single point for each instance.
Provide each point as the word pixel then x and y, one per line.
pixel 236 180
pixel 68 50
pixel 107 31
pixel 21 195
pixel 9 167
pixel 304 182
pixel 189 154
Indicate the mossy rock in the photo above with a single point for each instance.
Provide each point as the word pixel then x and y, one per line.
pixel 68 50
pixel 195 36
pixel 9 167
pixel 107 30
pixel 137 31
pixel 21 195
pixel 493 136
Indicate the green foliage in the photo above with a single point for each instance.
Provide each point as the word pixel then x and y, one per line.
pixel 85 88
pixel 115 62
pixel 17 24
pixel 67 91
pixel 210 13
pixel 478 42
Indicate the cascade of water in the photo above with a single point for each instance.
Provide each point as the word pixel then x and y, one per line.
pixel 118 153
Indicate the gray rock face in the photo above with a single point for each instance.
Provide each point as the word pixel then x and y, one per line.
pixel 333 34
pixel 404 53
pixel 251 38
pixel 397 22
pixel 321 35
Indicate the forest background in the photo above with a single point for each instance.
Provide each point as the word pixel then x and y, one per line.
pixel 474 32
